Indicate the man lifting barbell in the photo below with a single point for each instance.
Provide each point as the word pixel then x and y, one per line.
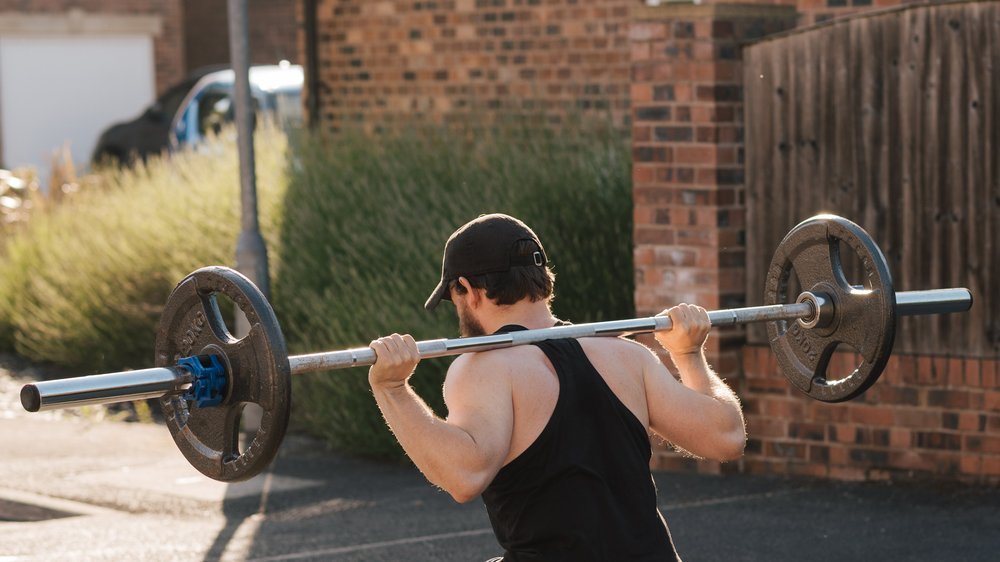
pixel 555 435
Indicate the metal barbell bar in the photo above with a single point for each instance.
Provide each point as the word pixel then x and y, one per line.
pixel 158 382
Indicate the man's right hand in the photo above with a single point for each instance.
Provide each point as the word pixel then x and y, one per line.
pixel 690 328
pixel 396 359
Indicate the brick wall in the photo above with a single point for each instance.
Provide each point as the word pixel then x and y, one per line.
pixel 927 416
pixel 168 47
pixel 382 61
pixel 272 28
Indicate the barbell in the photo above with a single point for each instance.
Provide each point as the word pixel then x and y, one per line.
pixel 204 376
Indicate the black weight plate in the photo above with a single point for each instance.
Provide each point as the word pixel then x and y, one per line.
pixel 257 371
pixel 864 317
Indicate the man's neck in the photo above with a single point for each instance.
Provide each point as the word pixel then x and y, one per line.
pixel 531 315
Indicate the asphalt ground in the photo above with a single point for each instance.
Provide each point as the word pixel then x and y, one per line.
pixel 79 486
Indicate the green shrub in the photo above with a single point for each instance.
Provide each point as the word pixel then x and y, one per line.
pixel 83 284
pixel 355 227
pixel 365 224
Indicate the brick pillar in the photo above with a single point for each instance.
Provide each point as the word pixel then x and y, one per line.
pixel 687 153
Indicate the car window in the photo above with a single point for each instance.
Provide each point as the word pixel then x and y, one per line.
pixel 215 109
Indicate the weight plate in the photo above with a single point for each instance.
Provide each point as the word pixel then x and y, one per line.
pixel 864 317
pixel 257 372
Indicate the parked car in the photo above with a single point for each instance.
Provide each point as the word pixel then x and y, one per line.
pixel 199 106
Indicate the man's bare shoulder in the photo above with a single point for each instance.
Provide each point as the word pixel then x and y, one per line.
pixel 621 348
pixel 493 361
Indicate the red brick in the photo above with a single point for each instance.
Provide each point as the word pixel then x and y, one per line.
pixel 766 466
pixel 766 427
pixel 912 460
pixel 916 418
pixel 823 412
pixel 642 174
pixel 808 469
pixel 908 368
pixel 970 464
pixel 983 444
pixel 900 438
pixel 990 373
pixel 843 433
pixel 641 93
pixel 970 421
pixel 891 372
pixel 647 31
pixel 992 401
pixel 838 455
pixel 872 415
pixel 784 408
pixel 973 373
pixel 785 450
pixel 848 474
pixel 674 463
pixel 956 372
pixel 991 466
pixel 956 399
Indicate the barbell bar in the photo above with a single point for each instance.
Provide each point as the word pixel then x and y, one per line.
pixel 204 376
pixel 160 381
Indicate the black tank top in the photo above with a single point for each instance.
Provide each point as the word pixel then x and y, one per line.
pixel 582 491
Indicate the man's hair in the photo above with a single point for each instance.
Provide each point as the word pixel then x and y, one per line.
pixel 519 282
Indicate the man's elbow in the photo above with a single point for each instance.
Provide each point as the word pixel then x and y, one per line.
pixel 462 496
pixel 466 489
pixel 731 449
pixel 732 436
pixel 728 440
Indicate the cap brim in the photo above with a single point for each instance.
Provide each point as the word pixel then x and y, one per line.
pixel 440 292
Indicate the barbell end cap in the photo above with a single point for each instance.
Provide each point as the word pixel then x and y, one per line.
pixel 31 399
pixel 823 309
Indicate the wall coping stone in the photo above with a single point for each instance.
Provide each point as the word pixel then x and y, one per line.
pixel 79 22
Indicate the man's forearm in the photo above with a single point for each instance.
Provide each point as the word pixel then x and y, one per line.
pixel 697 375
pixel 727 417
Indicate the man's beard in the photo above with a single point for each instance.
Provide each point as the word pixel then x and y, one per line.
pixel 467 325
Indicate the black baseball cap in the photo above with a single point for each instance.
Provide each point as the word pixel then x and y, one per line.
pixel 481 246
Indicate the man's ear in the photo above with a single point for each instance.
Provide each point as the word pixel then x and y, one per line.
pixel 473 296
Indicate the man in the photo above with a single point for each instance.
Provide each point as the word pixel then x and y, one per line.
pixel 553 435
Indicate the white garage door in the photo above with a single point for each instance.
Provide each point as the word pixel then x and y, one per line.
pixel 67 89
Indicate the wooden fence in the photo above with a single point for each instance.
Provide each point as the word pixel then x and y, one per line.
pixel 892 120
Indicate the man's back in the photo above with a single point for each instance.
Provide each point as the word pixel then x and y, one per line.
pixel 577 484
pixel 535 386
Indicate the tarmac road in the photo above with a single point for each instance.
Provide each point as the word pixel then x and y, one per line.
pixel 122 491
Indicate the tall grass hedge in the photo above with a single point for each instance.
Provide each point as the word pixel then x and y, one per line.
pixel 355 226
pixel 365 225
pixel 83 284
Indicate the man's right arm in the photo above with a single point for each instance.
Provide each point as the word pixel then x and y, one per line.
pixel 463 453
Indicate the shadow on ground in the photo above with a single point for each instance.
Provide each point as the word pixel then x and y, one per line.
pixel 323 506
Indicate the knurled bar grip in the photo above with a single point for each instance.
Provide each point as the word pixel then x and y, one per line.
pixel 154 383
